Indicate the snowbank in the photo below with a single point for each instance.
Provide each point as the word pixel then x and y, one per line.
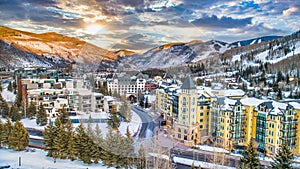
pixel 38 159
pixel 202 164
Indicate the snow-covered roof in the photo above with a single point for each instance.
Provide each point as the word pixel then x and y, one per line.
pixel 296 105
pixel 228 103
pixel 234 92
pixel 251 101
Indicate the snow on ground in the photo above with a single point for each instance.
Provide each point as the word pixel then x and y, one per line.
pixel 31 123
pixel 133 125
pixel 38 160
pixel 8 95
pixel 202 164
pixel 212 149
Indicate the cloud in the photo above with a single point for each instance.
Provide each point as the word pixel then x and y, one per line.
pixel 223 22
pixel 289 11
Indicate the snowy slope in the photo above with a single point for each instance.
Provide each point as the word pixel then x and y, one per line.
pixel 273 55
pixel 172 55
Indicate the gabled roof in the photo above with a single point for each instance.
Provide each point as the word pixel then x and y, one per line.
pixel 188 83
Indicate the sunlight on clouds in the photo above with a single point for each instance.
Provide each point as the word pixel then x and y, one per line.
pixel 93 29
pixel 289 11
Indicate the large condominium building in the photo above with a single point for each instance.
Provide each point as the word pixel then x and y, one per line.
pixel 126 84
pixel 228 118
pixel 269 123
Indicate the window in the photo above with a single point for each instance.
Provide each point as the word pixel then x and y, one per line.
pixel 179 130
pixel 184 101
pixel 201 120
pixel 201 126
pixel 185 131
pixel 201 114
pixel 179 136
pixel 201 107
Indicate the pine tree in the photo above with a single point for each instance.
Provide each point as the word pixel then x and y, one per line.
pixel 113 121
pixel 125 110
pixel 110 149
pixel 49 135
pixel 63 115
pixel 141 164
pixel 83 145
pixel 5 109
pixel 41 116
pixel 71 140
pixel 7 128
pixel 128 149
pixel 250 158
pixel 58 146
pixel 98 138
pixel 283 158
pixel 9 87
pixel 31 111
pixel 19 138
pixel 14 113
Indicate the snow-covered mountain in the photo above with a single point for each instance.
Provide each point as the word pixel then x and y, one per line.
pixel 48 48
pixel 21 49
pixel 174 54
pixel 254 41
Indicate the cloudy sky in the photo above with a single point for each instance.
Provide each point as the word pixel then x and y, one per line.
pixel 143 24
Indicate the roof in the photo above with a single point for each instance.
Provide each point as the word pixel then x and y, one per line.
pixel 188 83
pixel 251 101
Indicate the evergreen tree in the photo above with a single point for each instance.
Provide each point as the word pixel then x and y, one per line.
pixel 15 113
pixel 250 158
pixel 49 135
pixel 98 136
pixel 71 141
pixel 41 116
pixel 279 76
pixel 58 146
pixel 5 109
pixel 31 111
pixel 86 150
pixel 9 87
pixel 125 110
pixel 19 137
pixel 64 115
pixel 113 121
pixel 7 128
pixel 283 158
pixel 128 149
pixel 141 164
pixel 111 149
pixel 279 94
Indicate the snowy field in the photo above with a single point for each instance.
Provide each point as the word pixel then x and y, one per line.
pixel 38 160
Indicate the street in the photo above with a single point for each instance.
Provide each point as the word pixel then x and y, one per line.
pixel 148 125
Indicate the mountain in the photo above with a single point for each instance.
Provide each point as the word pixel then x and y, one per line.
pixel 43 48
pixel 124 53
pixel 254 41
pixel 174 54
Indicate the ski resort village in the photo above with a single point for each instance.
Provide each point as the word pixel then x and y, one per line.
pixel 59 118
pixel 149 84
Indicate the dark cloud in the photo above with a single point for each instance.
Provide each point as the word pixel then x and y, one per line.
pixel 33 10
pixel 223 22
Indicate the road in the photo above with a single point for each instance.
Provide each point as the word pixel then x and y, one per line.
pixel 148 125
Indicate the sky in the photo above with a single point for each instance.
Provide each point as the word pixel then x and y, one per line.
pixel 143 24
